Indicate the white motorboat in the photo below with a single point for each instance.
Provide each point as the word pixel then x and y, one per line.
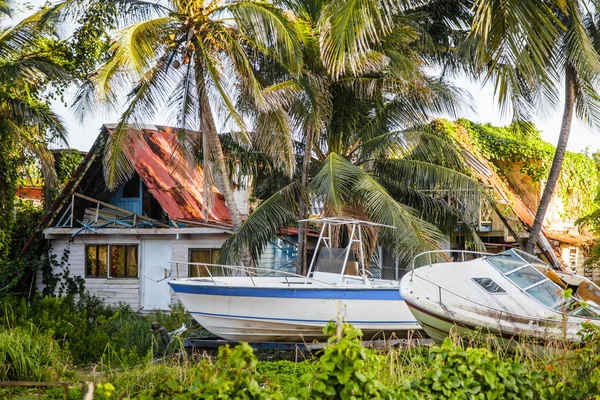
pixel 511 295
pixel 273 306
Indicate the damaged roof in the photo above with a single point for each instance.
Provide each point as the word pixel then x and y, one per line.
pixel 176 182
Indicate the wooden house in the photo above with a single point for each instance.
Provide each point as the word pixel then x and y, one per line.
pixel 122 242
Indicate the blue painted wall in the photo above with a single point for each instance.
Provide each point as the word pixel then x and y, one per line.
pixel 133 204
pixel 279 255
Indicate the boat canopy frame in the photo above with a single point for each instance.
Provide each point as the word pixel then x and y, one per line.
pixel 325 239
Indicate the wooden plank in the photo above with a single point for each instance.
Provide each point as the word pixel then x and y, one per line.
pixel 122 210
pixel 72 209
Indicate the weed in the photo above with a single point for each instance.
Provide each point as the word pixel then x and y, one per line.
pixel 27 354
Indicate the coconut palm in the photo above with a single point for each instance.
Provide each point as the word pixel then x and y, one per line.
pixel 529 50
pixel 318 23
pixel 27 65
pixel 367 166
pixel 192 58
pixel 27 123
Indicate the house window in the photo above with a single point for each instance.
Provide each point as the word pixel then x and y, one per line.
pixel 573 256
pixel 112 261
pixel 203 256
pixel 131 189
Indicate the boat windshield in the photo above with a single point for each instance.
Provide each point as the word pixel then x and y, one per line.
pixel 519 267
pixel 547 293
pixel 332 260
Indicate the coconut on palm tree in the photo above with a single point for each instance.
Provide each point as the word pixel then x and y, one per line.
pixel 532 51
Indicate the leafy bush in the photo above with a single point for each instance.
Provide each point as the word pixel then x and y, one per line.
pixel 284 375
pixel 90 330
pixel 473 373
pixel 346 370
pixel 581 363
pixel 233 376
pixel 27 216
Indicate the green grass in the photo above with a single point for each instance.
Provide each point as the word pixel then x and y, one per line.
pixel 29 355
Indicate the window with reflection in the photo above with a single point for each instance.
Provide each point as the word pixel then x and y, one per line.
pixel 489 285
pixel 112 261
pixel 547 293
pixel 536 262
pixel 506 262
pixel 202 256
pixel 526 277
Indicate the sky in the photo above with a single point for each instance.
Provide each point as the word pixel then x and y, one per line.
pixel 83 134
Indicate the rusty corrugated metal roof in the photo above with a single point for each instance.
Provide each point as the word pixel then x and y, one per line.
pixel 175 181
pixel 30 193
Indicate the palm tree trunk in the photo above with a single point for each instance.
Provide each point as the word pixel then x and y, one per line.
pixel 214 144
pixel 301 267
pixel 559 156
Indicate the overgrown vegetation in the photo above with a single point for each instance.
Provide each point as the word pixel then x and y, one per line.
pixel 87 329
pixel 347 370
pixel 53 339
pixel 524 150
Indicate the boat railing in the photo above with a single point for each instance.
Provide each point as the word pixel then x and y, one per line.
pixel 240 270
pixel 499 313
pixel 446 256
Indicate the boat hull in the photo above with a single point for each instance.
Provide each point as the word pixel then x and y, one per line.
pixel 294 314
pixel 439 327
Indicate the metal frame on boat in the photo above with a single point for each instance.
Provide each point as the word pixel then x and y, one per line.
pixel 261 305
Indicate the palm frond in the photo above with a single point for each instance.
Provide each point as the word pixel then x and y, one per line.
pixel 6 8
pixel 278 211
pixel 267 28
pixel 144 102
pixel 136 45
pixel 514 41
pixel 421 175
pixel 29 137
pixel 126 11
pixel 24 111
pixel 436 208
pixel 208 64
pixel 336 181
pixel 273 136
pixel 411 235
pixel 349 28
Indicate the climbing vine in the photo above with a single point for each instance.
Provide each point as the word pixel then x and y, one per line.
pixel 8 187
pixel 524 149
pixel 56 274
pixel 66 161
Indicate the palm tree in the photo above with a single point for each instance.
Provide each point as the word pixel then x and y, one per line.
pixel 528 50
pixel 27 124
pixel 366 165
pixel 340 48
pixel 192 58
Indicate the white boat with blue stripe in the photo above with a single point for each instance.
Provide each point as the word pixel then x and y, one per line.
pixel 262 305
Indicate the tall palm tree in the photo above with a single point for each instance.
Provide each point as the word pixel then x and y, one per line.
pixel 529 50
pixel 192 58
pixel 342 47
pixel 27 123
pixel 366 165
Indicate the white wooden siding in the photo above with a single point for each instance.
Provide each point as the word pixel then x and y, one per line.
pixel 126 291
pixel 180 252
